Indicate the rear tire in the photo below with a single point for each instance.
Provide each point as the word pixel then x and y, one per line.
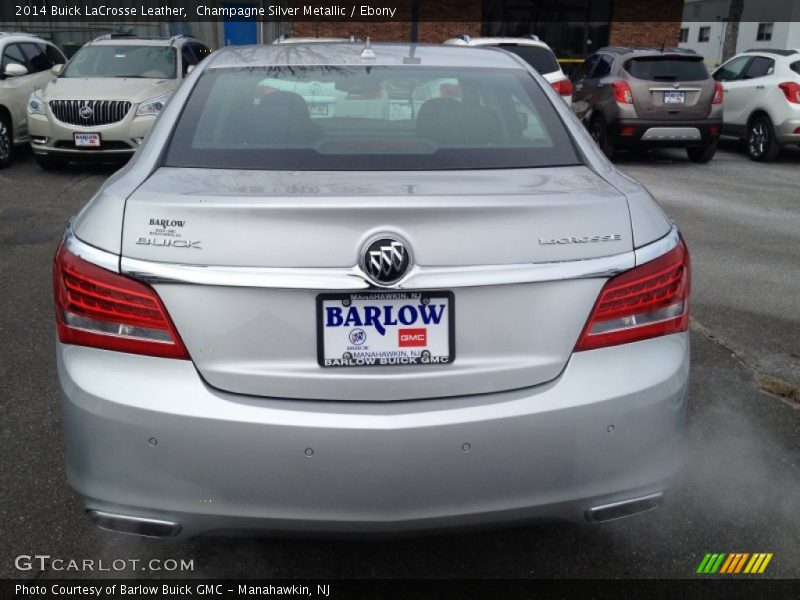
pixel 702 154
pixel 6 142
pixel 599 133
pixel 761 143
pixel 50 163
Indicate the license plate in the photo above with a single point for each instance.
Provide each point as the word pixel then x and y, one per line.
pixel 379 329
pixel 86 140
pixel 674 97
pixel 318 109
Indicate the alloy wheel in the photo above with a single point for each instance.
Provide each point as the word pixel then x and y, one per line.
pixel 758 139
pixel 5 142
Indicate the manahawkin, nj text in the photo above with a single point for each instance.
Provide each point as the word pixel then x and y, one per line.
pixel 44 9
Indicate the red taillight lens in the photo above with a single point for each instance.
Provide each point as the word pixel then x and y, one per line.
pixel 563 87
pixel 718 93
pixel 791 90
pixel 98 308
pixel 645 302
pixel 622 92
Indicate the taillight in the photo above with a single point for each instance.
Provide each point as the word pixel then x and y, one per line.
pixel 622 92
pixel 563 87
pixel 791 90
pixel 645 302
pixel 98 308
pixel 718 93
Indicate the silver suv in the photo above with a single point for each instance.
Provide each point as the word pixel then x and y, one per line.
pixel 632 97
pixel 25 65
pixel 108 96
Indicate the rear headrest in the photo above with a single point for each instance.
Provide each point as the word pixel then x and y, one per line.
pixel 285 116
pixel 449 122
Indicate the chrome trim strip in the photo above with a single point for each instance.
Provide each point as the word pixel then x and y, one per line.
pixel 174 527
pixel 672 133
pixel 676 89
pixel 596 512
pixel 661 246
pixel 96 256
pixel 286 278
pixel 355 279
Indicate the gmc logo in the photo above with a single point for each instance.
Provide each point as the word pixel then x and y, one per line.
pixel 410 338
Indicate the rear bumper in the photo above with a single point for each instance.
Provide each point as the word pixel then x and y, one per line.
pixel 147 438
pixel 634 132
pixel 785 132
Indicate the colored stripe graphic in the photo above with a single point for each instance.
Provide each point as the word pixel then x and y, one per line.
pixel 734 563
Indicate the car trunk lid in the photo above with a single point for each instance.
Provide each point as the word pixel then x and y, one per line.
pixel 262 338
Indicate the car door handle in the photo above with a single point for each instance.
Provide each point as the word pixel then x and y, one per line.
pixel 759 87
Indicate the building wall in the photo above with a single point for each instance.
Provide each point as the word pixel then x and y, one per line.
pixel 712 13
pixel 432 32
pixel 629 26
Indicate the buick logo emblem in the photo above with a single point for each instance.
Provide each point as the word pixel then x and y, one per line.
pixel 386 259
pixel 86 112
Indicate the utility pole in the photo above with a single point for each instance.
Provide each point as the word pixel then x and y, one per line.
pixel 414 21
pixel 732 29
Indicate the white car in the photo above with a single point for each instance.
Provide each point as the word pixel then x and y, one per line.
pixel 108 96
pixel 530 49
pixel 284 39
pixel 25 63
pixel 762 100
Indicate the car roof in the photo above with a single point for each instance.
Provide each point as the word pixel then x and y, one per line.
pixel 493 41
pixel 134 40
pixel 309 40
pixel 778 51
pixel 8 36
pixel 384 54
pixel 648 51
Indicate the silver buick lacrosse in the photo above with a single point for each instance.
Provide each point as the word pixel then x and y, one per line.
pixel 356 288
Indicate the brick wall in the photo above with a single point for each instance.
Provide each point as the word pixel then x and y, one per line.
pixel 627 27
pixel 400 30
pixel 434 32
pixel 627 30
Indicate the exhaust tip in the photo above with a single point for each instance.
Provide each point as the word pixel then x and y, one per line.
pixel 133 525
pixel 626 508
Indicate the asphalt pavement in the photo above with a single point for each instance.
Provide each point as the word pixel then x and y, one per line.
pixel 739 492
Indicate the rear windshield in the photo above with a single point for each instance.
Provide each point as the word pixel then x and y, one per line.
pixel 369 118
pixel 148 62
pixel 657 68
pixel 541 59
pixel 795 66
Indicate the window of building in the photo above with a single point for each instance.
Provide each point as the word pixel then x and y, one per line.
pixel 704 34
pixel 764 33
pixel 685 34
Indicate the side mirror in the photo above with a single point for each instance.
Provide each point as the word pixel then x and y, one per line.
pixel 15 70
pixel 56 69
pixel 190 68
